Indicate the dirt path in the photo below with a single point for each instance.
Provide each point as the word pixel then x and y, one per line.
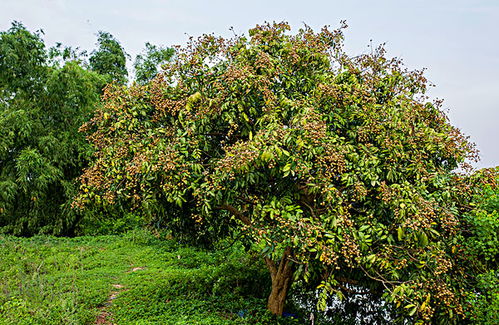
pixel 105 317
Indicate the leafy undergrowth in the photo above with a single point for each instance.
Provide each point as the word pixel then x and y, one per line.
pixel 47 280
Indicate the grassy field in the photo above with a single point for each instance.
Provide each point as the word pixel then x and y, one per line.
pixel 130 279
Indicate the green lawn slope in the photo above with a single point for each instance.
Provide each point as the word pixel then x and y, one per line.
pixel 130 279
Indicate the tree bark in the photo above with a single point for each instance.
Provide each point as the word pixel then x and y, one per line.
pixel 282 277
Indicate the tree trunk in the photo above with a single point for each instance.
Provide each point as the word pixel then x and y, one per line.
pixel 282 276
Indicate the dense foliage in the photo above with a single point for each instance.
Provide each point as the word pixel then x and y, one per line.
pixel 337 169
pixel 148 64
pixel 109 59
pixel 44 98
pixel 46 94
pixel 479 243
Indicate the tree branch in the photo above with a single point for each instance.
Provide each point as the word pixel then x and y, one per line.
pixel 271 266
pixel 285 264
pixel 236 213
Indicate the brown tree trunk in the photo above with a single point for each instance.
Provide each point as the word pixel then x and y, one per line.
pixel 282 276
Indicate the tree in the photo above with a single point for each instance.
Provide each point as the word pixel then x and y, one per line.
pixel 42 106
pixel 478 243
pixel 146 65
pixel 109 59
pixel 21 61
pixel 338 169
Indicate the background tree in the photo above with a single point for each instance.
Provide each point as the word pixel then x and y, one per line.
pixel 21 63
pixel 337 169
pixel 478 244
pixel 148 64
pixel 109 58
pixel 43 101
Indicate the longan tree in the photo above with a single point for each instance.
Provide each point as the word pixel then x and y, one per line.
pixel 337 169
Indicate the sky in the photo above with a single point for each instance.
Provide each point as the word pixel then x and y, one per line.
pixel 456 41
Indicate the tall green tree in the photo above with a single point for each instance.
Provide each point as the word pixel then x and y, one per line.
pixel 478 243
pixel 337 169
pixel 42 105
pixel 22 59
pixel 109 59
pixel 148 64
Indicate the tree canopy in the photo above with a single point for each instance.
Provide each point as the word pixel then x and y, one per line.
pixel 339 170
pixel 109 58
pixel 148 64
pixel 478 244
pixel 46 94
pixel 42 104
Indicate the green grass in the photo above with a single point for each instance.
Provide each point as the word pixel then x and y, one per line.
pixel 47 280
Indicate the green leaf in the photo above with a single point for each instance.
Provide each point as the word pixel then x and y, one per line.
pixel 400 233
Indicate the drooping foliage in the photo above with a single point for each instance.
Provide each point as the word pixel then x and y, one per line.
pixel 338 169
pixel 43 101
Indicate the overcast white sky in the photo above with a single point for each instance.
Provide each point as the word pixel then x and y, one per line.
pixel 456 40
